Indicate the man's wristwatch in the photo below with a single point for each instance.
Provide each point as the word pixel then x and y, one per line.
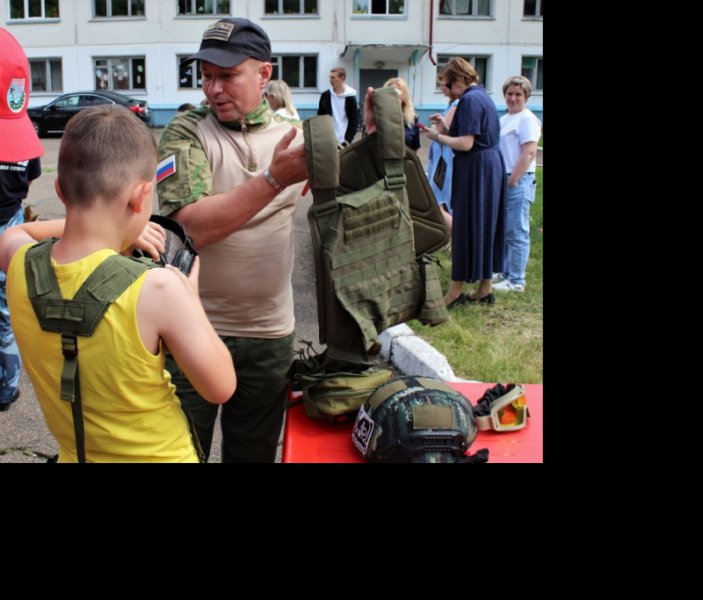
pixel 272 180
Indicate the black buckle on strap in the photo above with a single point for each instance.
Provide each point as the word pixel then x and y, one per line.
pixel 69 346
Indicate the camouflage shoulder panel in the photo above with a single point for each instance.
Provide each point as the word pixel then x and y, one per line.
pixel 183 175
pixel 184 126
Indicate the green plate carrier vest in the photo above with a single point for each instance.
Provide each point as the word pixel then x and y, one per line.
pixel 374 221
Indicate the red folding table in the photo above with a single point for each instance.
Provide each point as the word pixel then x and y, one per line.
pixel 308 440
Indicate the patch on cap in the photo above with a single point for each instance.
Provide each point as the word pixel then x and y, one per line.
pixel 16 95
pixel 220 31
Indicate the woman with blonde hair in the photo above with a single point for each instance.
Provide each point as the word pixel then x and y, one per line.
pixel 412 131
pixel 279 97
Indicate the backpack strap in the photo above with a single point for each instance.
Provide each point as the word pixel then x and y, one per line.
pixel 77 317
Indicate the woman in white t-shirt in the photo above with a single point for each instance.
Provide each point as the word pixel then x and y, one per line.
pixel 279 97
pixel 520 131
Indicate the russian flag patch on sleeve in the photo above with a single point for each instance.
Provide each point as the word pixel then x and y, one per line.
pixel 166 168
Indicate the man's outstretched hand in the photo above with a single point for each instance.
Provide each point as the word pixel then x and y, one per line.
pixel 288 165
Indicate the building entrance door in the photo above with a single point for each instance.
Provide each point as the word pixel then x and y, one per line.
pixel 374 78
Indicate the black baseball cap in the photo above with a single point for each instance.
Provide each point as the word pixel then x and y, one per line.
pixel 231 41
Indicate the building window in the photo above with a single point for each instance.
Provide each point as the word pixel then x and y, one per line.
pixel 189 77
pixel 203 7
pixel 533 69
pixel 533 8
pixel 466 8
pixel 479 63
pixel 378 7
pixel 290 7
pixel 299 72
pixel 46 75
pixel 119 8
pixel 123 73
pixel 34 9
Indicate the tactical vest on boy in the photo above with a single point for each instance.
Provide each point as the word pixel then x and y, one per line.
pixel 373 221
pixel 79 316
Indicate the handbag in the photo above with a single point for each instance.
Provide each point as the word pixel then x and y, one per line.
pixel 440 173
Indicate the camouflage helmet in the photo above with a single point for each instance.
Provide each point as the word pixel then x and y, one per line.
pixel 415 419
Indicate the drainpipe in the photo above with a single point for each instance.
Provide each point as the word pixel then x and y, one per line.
pixel 357 76
pixel 434 62
pixel 413 62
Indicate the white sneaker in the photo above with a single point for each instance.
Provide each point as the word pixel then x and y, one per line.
pixel 509 286
pixel 498 277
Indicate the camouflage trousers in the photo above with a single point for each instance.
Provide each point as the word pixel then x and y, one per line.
pixel 10 363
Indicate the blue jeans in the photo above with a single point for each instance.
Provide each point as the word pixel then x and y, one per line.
pixel 10 363
pixel 517 226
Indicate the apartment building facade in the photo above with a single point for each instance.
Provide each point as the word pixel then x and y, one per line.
pixel 135 46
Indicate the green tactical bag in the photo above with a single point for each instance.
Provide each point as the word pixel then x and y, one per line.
pixel 370 275
pixel 337 396
pixel 77 317
pixel 331 395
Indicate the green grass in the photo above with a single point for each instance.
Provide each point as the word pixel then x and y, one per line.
pixel 500 342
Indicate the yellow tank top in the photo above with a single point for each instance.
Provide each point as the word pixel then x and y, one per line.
pixel 130 408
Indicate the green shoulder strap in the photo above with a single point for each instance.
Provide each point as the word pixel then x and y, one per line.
pixel 78 316
pixel 391 136
pixel 323 161
pixel 323 156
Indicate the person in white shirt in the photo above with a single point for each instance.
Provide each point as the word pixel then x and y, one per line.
pixel 520 131
pixel 340 102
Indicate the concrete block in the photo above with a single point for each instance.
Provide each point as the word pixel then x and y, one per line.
pixel 414 356
pixel 389 335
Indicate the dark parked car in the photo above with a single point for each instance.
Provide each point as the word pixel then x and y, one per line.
pixel 52 118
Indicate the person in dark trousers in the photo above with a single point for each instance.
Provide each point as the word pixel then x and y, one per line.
pixel 340 103
pixel 20 150
pixel 232 174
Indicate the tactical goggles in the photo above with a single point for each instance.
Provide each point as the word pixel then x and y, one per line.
pixel 508 412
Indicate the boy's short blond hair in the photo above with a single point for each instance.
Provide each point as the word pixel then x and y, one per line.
pixel 104 150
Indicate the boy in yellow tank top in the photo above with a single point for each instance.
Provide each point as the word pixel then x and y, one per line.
pixel 131 413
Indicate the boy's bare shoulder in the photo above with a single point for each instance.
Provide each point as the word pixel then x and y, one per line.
pixel 161 280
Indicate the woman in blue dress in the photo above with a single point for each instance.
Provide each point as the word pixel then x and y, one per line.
pixel 478 180
pixel 443 194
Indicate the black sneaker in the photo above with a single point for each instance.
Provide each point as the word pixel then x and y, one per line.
pixel 6 406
